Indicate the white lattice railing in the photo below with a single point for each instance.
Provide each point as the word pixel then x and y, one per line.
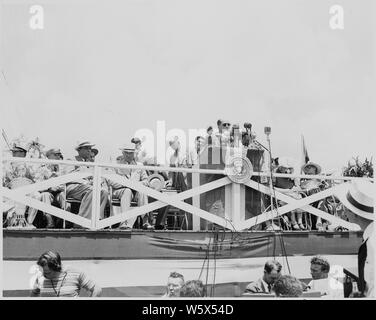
pixel 234 195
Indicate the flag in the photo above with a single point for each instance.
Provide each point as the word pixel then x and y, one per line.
pixel 305 157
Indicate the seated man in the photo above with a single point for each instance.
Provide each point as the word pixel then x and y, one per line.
pixel 126 195
pixel 52 194
pixel 17 174
pixel 272 271
pixel 193 288
pixel 321 280
pixel 288 286
pixel 174 284
pixel 82 190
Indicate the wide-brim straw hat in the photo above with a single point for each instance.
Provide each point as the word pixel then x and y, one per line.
pixel 156 182
pixel 128 148
pixel 312 164
pixel 358 196
pixel 84 144
pixel 54 151
pixel 19 147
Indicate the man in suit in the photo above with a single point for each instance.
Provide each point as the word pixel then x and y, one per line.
pixel 52 194
pixel 125 194
pixel 272 271
pixel 82 190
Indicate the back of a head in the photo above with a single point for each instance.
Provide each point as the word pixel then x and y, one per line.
pixel 193 288
pixel 288 286
pixel 176 275
pixel 272 265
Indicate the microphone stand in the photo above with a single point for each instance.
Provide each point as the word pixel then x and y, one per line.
pixel 271 175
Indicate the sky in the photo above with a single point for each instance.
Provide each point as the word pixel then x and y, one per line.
pixel 101 70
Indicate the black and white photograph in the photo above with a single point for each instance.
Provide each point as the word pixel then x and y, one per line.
pixel 187 150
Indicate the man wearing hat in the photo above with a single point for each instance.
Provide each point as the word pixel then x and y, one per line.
pixel 126 195
pixel 226 133
pixel 17 174
pixel 140 154
pixel 52 194
pixel 17 169
pixel 358 198
pixel 83 190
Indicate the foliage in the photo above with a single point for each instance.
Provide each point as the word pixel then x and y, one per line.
pixel 358 168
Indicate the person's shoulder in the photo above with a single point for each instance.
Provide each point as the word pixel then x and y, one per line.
pixel 253 286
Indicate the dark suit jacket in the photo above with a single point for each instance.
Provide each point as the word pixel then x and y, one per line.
pixel 257 287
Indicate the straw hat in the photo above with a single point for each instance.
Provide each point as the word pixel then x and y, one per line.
pixel 156 181
pixel 357 196
pixel 311 164
pixel 84 144
pixel 128 148
pixel 54 151
pixel 19 147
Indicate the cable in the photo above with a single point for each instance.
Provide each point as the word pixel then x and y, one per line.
pixel 207 269
pixel 284 252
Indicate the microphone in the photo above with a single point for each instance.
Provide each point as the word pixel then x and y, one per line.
pixel 248 125
pixel 267 130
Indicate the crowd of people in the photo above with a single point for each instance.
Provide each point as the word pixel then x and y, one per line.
pixel 53 280
pixel 323 284
pixel 225 135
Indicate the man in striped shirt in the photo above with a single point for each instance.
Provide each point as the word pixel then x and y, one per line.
pixel 54 281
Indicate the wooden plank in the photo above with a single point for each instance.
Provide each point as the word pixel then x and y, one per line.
pixel 111 165
pixel 175 200
pixel 180 169
pixel 228 202
pixel 196 221
pixel 95 208
pixel 294 204
pixel 65 215
pixel 236 203
pixel 52 182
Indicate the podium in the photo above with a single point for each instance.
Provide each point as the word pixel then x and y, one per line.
pixel 234 201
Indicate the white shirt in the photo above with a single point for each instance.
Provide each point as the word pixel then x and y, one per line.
pixel 330 288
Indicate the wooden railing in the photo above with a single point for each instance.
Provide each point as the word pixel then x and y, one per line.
pixel 234 199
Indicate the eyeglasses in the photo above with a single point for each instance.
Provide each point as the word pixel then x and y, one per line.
pixel 226 124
